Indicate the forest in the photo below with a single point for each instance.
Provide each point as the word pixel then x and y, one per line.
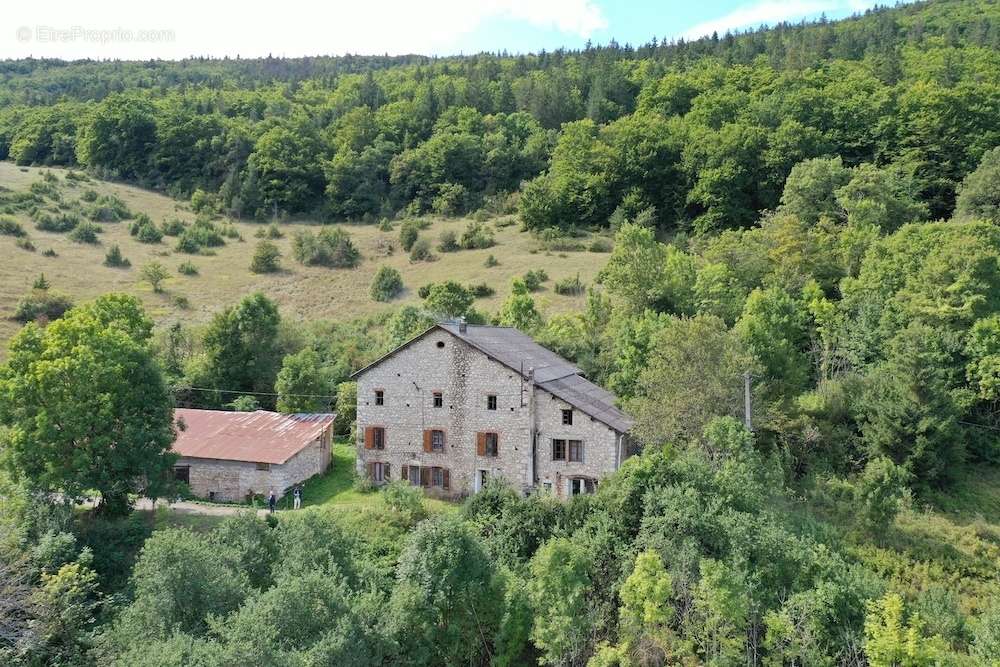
pixel 815 205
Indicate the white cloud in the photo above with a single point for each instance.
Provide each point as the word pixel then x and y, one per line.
pixel 112 29
pixel 770 12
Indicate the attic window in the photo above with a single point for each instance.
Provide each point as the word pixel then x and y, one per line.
pixel 438 399
pixel 379 397
pixel 567 417
pixel 440 343
pixel 263 466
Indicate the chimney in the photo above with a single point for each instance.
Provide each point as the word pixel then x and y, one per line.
pixel 462 326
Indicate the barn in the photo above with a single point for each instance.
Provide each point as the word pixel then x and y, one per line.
pixel 230 456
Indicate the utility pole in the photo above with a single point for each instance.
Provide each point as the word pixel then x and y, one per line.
pixel 746 401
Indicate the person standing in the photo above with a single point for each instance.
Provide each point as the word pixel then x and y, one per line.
pixel 297 497
pixel 272 500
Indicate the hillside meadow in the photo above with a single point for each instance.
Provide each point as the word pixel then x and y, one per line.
pixel 302 292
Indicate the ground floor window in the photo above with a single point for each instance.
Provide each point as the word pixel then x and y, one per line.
pixel 378 471
pixel 428 476
pixel 183 474
pixel 579 485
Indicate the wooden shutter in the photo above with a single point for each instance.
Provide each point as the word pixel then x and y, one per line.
pixel 445 481
pixel 481 444
pixel 427 440
pixel 402 472
pixel 425 477
pixel 369 437
pixel 385 471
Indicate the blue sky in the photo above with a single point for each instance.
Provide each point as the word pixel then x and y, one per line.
pixel 249 28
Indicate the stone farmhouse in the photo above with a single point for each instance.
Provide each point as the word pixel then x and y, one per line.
pixel 229 456
pixel 460 404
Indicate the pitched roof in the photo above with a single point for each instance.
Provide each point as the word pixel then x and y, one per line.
pixel 519 352
pixel 260 436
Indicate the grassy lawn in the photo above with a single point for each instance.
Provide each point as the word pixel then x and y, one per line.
pixel 303 293
pixel 336 487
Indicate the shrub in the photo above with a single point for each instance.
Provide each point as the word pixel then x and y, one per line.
pixel 24 243
pixel 421 251
pixel 331 247
pixel 173 227
pixel 477 236
pixel 533 279
pixel 41 282
pixel 404 499
pixel 89 195
pixel 108 208
pixel 600 244
pixel 181 302
pixel 491 261
pixel 481 291
pixel 76 176
pixel 424 290
pixel 63 222
pixel 569 286
pixel 271 232
pixel 85 232
pixel 448 242
pixel 266 258
pixel 10 227
pixel 559 240
pixel 115 259
pixel 408 233
pixel 385 225
pixel 49 252
pixel 202 234
pixel 154 273
pixel 145 230
pixel 42 304
pixel 388 283
pixel 230 231
pixel 187 269
pixel 204 202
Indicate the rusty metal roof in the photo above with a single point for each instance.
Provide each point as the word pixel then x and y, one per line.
pixel 259 436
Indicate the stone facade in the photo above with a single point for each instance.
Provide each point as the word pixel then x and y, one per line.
pixel 439 363
pixel 234 481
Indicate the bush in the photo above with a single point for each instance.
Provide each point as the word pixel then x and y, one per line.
pixel 108 208
pixel 64 222
pixel 408 233
pixel 10 227
pixel 173 227
pixel 424 290
pixel 405 499
pixel 559 240
pixel 421 251
pixel 230 231
pixel 569 286
pixel 481 291
pixel 600 244
pixel 448 242
pixel 187 269
pixel 42 304
pixel 89 195
pixel 385 225
pixel 491 261
pixel 49 252
pixel 145 230
pixel 154 273
pixel 115 259
pixel 41 282
pixel 477 236
pixel 330 247
pixel 388 283
pixel 533 279
pixel 266 258
pixel 24 243
pixel 204 202
pixel 271 232
pixel 202 234
pixel 181 302
pixel 85 232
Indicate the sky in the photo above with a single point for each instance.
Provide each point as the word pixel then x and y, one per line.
pixel 174 29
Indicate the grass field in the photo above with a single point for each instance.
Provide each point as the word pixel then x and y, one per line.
pixel 303 293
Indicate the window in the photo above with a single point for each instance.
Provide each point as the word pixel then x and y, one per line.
pixel 377 437
pixel 263 466
pixel 567 417
pixel 492 444
pixel 438 399
pixel 379 397
pixel 437 441
pixel 576 450
pixel 414 475
pixel 437 477
pixel 547 487
pixel 183 474
pixel 558 450
pixel 378 471
pixel 482 477
pixel 580 485
pixel 491 402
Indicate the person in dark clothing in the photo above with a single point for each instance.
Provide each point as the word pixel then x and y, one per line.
pixel 272 501
pixel 297 497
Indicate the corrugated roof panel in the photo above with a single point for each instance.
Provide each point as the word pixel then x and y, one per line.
pixel 259 436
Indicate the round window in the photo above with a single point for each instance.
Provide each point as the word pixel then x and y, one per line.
pixel 440 343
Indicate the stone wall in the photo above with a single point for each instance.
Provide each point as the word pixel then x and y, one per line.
pixel 233 481
pixel 465 377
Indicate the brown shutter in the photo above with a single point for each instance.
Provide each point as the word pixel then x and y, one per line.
pixel 369 437
pixel 425 477
pixel 385 471
pixel 402 472
pixel 427 440
pixel 481 444
pixel 445 481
